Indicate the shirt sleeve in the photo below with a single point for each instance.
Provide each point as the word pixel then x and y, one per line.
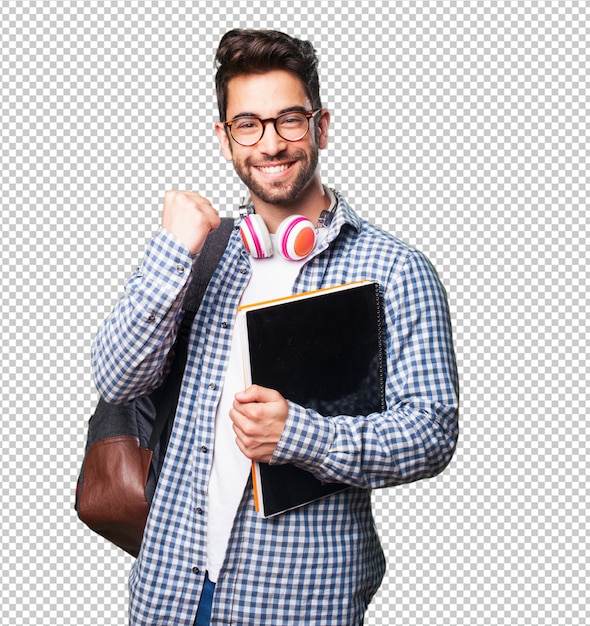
pixel 130 350
pixel 416 436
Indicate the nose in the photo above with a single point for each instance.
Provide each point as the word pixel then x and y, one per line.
pixel 271 142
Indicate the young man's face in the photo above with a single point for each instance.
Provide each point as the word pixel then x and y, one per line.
pixel 275 170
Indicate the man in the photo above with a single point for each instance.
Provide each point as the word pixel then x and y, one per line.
pixel 205 548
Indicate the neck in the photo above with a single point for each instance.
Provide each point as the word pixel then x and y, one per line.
pixel 309 203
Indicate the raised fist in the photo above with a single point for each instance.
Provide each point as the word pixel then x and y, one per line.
pixel 189 217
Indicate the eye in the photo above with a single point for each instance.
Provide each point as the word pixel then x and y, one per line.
pixel 292 120
pixel 245 124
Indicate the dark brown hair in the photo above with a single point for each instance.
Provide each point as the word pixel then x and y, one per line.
pixel 259 51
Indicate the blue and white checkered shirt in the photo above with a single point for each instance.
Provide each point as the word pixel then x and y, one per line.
pixel 321 564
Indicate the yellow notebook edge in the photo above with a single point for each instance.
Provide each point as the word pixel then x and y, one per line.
pixel 306 294
pixel 243 334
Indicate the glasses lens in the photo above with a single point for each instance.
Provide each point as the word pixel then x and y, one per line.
pixel 246 130
pixel 292 126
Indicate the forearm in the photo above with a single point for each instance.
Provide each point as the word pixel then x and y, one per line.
pixel 379 450
pixel 130 350
pixel 416 435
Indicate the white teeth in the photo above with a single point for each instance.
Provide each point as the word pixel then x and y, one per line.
pixel 274 169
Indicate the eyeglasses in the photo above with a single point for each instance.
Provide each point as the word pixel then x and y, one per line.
pixel 248 130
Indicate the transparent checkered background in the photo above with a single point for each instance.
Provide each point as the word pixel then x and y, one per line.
pixel 459 125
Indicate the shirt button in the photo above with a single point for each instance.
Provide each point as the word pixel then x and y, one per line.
pixel 213 386
pixel 152 318
pixel 180 268
pixel 204 449
pixel 243 270
pixel 199 510
pixel 224 324
pixel 196 570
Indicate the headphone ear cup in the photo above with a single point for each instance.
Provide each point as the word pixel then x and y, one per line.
pixel 296 237
pixel 255 236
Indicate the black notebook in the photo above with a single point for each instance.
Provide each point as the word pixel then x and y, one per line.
pixel 322 350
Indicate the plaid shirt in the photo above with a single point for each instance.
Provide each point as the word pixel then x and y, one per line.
pixel 321 564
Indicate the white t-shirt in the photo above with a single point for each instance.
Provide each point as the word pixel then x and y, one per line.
pixel 271 278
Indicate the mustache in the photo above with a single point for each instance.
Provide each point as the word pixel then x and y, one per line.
pixel 298 155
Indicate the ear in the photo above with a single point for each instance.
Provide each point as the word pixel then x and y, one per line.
pixel 224 141
pixel 323 124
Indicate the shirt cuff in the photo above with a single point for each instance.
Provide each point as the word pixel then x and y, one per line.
pixel 167 262
pixel 306 439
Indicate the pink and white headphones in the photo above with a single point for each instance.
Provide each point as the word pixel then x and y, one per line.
pixel 296 237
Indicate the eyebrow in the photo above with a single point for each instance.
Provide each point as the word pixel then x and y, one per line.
pixel 291 109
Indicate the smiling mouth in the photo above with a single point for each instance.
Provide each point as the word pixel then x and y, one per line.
pixel 274 169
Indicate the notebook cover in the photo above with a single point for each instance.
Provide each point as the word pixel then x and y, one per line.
pixel 323 350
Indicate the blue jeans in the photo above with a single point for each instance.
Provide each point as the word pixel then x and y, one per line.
pixel 205 603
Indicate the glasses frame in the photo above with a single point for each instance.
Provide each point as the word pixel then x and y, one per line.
pixel 308 115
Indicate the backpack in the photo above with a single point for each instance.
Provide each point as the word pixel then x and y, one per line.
pixel 127 443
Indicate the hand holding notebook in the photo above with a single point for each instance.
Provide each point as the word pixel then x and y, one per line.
pixel 259 415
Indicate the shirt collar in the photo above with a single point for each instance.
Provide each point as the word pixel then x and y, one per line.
pixel 344 215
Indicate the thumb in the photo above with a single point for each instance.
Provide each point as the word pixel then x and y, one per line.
pixel 256 393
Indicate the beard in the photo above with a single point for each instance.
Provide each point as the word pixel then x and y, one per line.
pixel 279 192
